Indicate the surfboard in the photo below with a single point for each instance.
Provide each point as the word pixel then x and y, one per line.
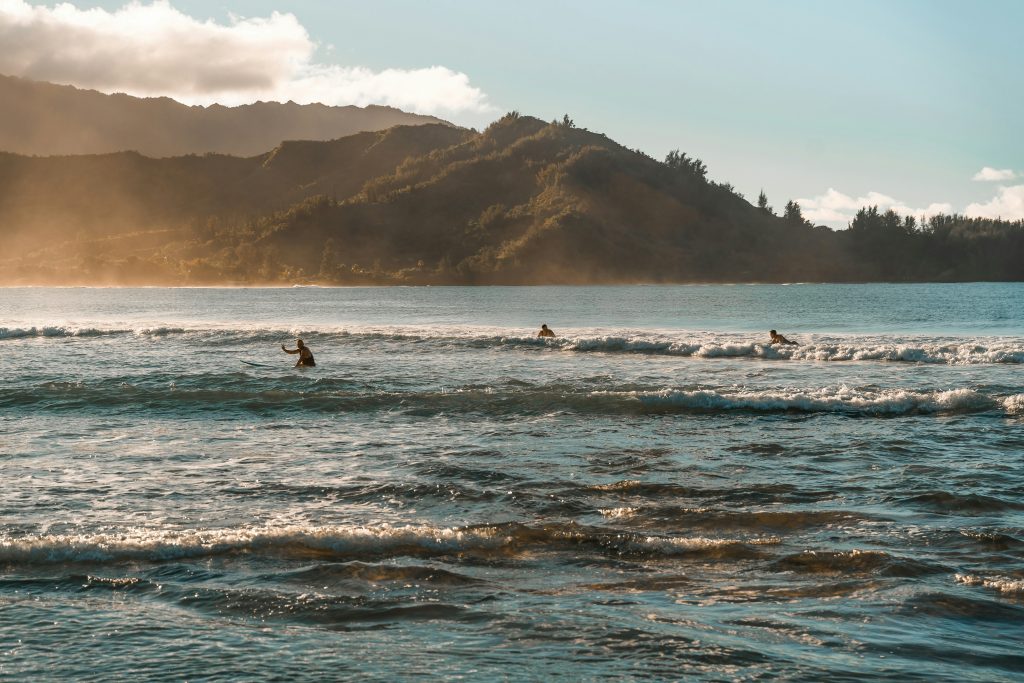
pixel 256 365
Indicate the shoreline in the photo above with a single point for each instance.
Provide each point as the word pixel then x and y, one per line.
pixel 514 285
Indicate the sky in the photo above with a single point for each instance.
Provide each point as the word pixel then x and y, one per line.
pixel 915 105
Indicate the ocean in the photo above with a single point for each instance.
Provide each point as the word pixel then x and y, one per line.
pixel 656 493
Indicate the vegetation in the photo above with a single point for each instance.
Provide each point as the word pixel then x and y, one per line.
pixel 792 213
pixel 887 246
pixel 44 118
pixel 522 202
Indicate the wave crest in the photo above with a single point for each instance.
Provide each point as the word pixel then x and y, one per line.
pixel 1003 584
pixel 948 353
pixel 841 400
pixel 238 391
pixel 350 542
pixel 698 345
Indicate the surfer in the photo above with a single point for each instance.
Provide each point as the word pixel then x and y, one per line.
pixel 305 355
pixel 545 332
pixel 779 339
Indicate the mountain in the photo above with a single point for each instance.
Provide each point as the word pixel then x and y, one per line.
pixel 46 119
pixel 532 202
pixel 523 202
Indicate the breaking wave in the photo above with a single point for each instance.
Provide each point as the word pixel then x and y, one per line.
pixel 85 331
pixel 698 345
pixel 358 542
pixel 238 391
pixel 1002 584
pixel 949 353
pixel 841 400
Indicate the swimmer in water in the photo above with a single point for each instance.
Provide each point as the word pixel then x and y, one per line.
pixel 779 339
pixel 305 355
pixel 545 332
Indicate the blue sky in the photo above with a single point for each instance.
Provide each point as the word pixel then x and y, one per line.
pixel 905 99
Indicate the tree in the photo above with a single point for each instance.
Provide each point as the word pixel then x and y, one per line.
pixel 689 165
pixel 762 203
pixel 728 187
pixel 793 214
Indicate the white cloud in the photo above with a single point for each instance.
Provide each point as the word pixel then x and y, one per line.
pixel 1008 205
pixel 993 175
pixel 837 208
pixel 154 49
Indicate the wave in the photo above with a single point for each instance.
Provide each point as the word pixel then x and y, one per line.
pixel 991 540
pixel 962 353
pixel 84 331
pixel 697 345
pixel 238 391
pixel 720 520
pixel 358 542
pixel 855 562
pixel 891 402
pixel 380 573
pixel 277 596
pixel 948 502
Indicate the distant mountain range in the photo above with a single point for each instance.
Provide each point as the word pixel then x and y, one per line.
pixel 523 202
pixel 47 119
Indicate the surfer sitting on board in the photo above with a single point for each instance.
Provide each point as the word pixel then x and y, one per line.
pixel 545 332
pixel 779 339
pixel 305 355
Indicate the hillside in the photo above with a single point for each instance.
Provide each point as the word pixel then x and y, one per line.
pixel 529 201
pixel 523 202
pixel 46 119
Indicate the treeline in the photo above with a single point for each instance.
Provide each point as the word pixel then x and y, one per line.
pixel 887 246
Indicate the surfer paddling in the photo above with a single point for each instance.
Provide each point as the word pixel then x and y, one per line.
pixel 545 332
pixel 305 355
pixel 779 339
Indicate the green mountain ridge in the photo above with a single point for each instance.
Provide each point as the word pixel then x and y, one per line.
pixel 48 119
pixel 523 202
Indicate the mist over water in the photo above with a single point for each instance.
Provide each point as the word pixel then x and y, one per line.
pixel 654 493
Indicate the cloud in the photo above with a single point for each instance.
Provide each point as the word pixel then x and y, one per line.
pixel 838 208
pixel 154 50
pixel 931 210
pixel 1008 205
pixel 991 174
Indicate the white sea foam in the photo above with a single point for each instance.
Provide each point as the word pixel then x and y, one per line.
pixel 1014 405
pixel 618 512
pixel 840 400
pixel 150 544
pixel 708 345
pixel 617 486
pixel 670 546
pixel 1002 584
pixel 711 345
pixel 85 331
pixel 156 545
pixel 920 352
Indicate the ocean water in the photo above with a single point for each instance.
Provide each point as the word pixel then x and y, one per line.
pixel 655 493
